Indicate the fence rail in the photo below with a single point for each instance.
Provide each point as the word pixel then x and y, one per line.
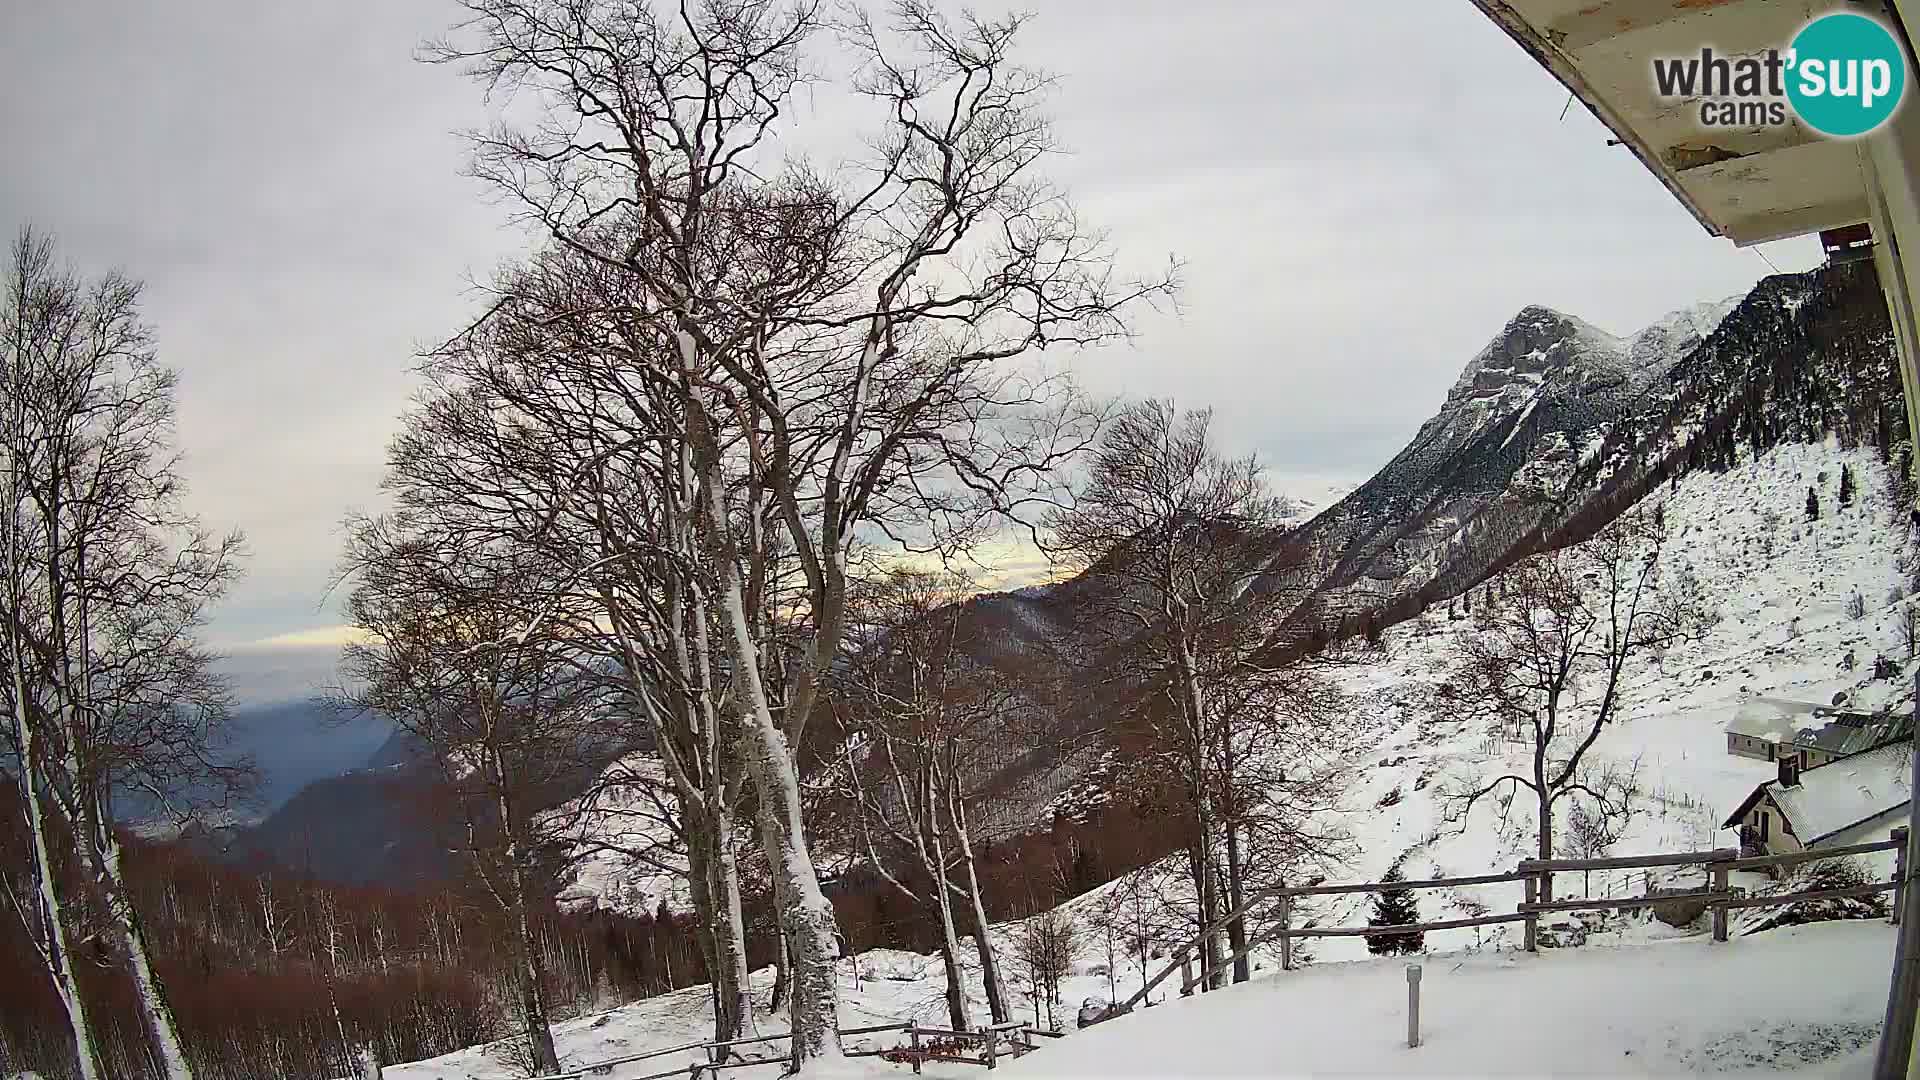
pixel 1010 1038
pixel 1537 876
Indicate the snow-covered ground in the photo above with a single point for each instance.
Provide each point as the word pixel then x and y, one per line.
pixel 1639 997
pixel 1806 998
pixel 1780 586
pixel 879 987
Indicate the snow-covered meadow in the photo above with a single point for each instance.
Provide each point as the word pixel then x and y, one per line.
pixel 1640 997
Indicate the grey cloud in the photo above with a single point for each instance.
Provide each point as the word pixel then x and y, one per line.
pixel 1362 194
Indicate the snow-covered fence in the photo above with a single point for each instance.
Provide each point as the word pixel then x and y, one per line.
pixel 1537 876
pixel 1283 932
pixel 1718 895
pixel 1009 1039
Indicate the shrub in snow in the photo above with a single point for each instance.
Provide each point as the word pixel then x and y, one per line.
pixel 1812 877
pixel 1395 907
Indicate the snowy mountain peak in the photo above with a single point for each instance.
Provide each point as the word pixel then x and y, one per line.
pixel 1537 343
pixel 1540 344
pixel 1653 351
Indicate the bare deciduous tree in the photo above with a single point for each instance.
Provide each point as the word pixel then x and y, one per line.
pixel 1594 825
pixel 839 348
pixel 920 724
pixel 455 656
pixel 1047 945
pixel 1551 656
pixel 1174 530
pixel 107 581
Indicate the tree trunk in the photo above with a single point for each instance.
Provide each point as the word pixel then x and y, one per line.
pixel 533 996
pixel 57 940
pixel 1546 842
pixel 1212 955
pixel 1236 898
pixel 949 939
pixel 155 1012
pixel 700 892
pixel 809 919
pixel 56 943
pixel 956 979
pixel 1212 958
pixel 982 942
pixel 731 974
pixel 780 982
pixel 810 927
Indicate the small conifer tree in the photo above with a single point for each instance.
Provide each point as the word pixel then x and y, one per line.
pixel 1813 505
pixel 1846 485
pixel 1394 907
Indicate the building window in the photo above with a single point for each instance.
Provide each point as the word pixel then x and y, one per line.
pixel 1763 826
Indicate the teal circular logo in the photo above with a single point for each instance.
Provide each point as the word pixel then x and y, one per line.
pixel 1846 73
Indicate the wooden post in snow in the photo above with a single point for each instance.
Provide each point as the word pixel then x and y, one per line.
pixel 1413 1005
pixel 1899 871
pixel 913 1034
pixel 1286 924
pixel 1533 917
pixel 992 1034
pixel 1719 901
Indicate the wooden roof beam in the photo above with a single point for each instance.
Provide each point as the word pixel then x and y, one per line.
pixel 1780 225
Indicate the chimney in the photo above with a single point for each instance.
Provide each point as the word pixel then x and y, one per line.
pixel 1789 770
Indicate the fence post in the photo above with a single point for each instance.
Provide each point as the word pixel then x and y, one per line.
pixel 1899 871
pixel 1286 924
pixel 1413 1005
pixel 1533 917
pixel 913 1034
pixel 1719 901
pixel 992 1034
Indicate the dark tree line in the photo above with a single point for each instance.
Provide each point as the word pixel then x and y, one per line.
pixel 271 974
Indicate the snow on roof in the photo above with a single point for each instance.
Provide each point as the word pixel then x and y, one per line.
pixel 1846 792
pixel 1800 723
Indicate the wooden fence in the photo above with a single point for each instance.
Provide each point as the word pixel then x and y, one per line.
pixel 1537 876
pixel 1004 1040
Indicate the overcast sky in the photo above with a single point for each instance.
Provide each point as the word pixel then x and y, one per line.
pixel 1362 195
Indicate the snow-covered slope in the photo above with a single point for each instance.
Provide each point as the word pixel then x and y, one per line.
pixel 624 854
pixel 1780 586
